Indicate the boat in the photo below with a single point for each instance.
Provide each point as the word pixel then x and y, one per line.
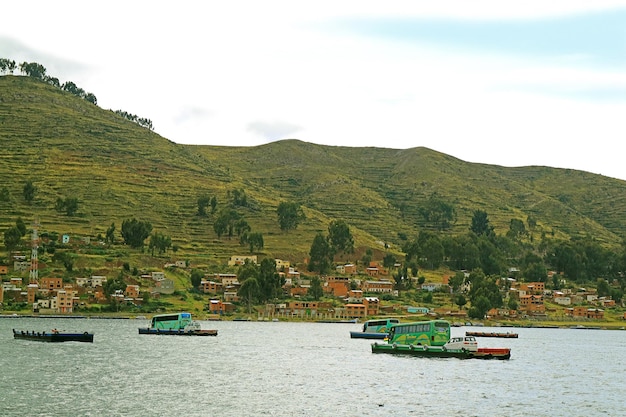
pixel 432 339
pixel 441 352
pixel 492 334
pixel 176 324
pixel 53 336
pixel 374 329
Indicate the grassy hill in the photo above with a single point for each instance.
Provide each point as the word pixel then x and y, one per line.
pixel 118 170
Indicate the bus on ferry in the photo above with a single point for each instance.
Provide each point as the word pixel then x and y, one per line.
pixel 175 321
pixel 425 333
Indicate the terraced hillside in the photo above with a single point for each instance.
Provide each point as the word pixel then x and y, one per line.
pixel 118 170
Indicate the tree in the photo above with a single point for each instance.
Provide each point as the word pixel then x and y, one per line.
pixel 457 281
pixel 134 232
pixel 68 205
pixel 225 222
pixel 19 223
pixel 270 283
pixel 248 276
pixel 7 66
pixel 315 290
pixel 536 272
pixel 196 278
pixel 438 213
pixel 460 300
pixel 213 204
pixel 480 223
pixel 255 240
pixel 238 198
pixel 340 238
pixel 29 191
pixel 320 254
pixel 432 251
pixel 203 203
pixel 90 97
pixel 5 195
pixel 115 284
pixel 367 257
pixel 484 294
pixel 12 238
pixel 242 227
pixel 33 69
pixel 160 242
pixel 389 261
pixel 110 234
pixel 516 229
pixel 289 215
pixel 603 287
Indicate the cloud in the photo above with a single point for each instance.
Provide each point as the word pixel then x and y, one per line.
pixel 272 131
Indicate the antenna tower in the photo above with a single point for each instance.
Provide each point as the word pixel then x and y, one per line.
pixel 34 262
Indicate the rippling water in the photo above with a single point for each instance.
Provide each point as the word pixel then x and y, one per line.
pixel 301 369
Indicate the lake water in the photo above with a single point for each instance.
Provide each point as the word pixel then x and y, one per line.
pixel 302 369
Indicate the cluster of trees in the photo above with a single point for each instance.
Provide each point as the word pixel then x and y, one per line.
pixel 290 215
pixel 141 121
pixel 489 255
pixel 324 248
pixel 228 221
pixel 68 205
pixel 38 71
pixel 14 234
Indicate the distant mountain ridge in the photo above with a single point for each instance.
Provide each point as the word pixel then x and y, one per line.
pixel 117 170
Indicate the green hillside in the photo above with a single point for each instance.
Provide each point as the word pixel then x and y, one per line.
pixel 118 170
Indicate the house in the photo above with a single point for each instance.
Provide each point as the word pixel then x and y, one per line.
pixel 337 286
pixel 584 312
pixel 227 280
pixel 31 293
pixel 64 303
pixel 377 286
pixel 532 304
pixel 231 296
pixel 211 287
pixel 281 265
pixel 51 284
pixel 533 287
pixel 98 280
pixel 165 286
pixel 432 286
pixel 372 305
pixel 158 275
pixel 220 307
pixel 20 266
pixel 132 291
pixel 82 282
pixel 347 269
pixel 562 300
pixel 355 295
pixel 355 310
pixel 299 290
pixel 237 260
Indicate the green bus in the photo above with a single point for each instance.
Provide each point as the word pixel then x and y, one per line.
pixel 175 321
pixel 425 333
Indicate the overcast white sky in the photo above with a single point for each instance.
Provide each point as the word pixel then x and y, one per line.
pixel 511 83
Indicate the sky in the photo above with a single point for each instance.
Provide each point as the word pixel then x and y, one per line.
pixel 511 83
